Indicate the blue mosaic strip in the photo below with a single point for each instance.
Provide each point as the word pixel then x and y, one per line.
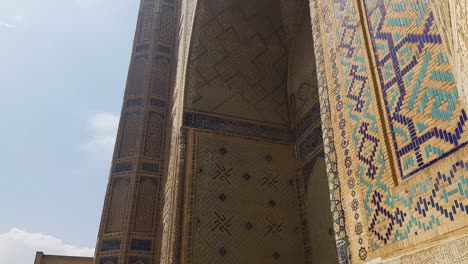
pixel 142 245
pixel 311 118
pixel 108 245
pixel 230 126
pixel 405 61
pixel 123 167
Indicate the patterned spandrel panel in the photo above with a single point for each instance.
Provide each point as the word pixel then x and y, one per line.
pixel 336 202
pixel 146 19
pixel 118 202
pixel 245 206
pixel 382 218
pixel 146 206
pixel 423 108
pixel 153 145
pixel 357 138
pixel 166 28
pixel 138 76
pixel 129 134
pixel 160 77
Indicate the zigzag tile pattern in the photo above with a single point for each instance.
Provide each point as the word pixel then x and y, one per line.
pixel 327 131
pixel 434 202
pixel 238 62
pixel 426 117
pixel 358 132
pixel 381 217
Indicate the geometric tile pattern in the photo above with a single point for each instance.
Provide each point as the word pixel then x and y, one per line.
pixel 317 19
pixel 381 217
pixel 238 61
pixel 425 114
pixel 427 121
pixel 131 215
pixel 172 188
pixel 355 129
pixel 238 127
pixel 244 204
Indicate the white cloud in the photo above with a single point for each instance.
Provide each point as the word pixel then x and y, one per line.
pixel 4 24
pixel 19 246
pixel 103 130
pixel 19 18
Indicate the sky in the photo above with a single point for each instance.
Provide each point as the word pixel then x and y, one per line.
pixel 63 68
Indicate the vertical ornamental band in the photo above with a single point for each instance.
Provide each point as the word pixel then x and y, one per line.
pixel 130 230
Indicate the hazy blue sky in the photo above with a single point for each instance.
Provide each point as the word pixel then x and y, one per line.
pixel 63 67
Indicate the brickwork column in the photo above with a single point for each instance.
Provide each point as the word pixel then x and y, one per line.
pixel 131 230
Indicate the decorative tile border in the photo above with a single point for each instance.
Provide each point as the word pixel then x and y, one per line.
pixel 380 217
pixel 425 114
pixel 237 127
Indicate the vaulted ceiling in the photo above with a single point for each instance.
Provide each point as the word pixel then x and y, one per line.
pixel 238 64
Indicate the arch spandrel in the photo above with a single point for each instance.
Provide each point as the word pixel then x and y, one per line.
pixel 394 175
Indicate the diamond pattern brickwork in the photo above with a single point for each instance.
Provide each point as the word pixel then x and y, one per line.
pixel 117 206
pixel 244 207
pixel 426 117
pixel 238 63
pixel 132 211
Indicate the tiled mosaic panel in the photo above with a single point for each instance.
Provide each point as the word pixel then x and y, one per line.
pixel 328 142
pixel 244 203
pixel 154 135
pixel 136 86
pixel 146 206
pixel 238 63
pixel 389 218
pixel 352 124
pixel 426 116
pixel 131 208
pixel 173 188
pixel 160 77
pixel 116 214
pixel 238 127
pixel 131 123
